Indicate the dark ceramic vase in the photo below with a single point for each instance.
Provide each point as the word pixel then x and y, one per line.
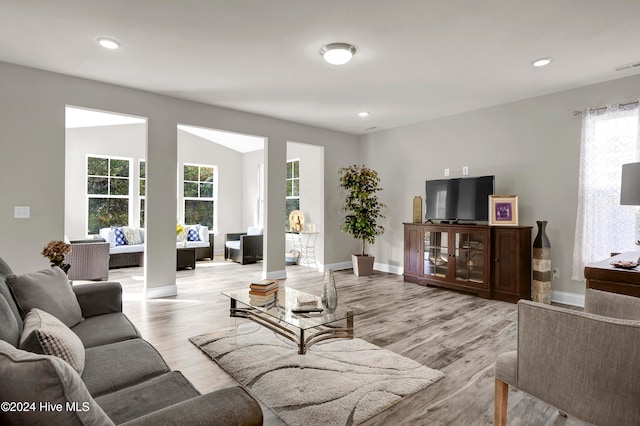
pixel 542 265
pixel 542 241
pixel 64 266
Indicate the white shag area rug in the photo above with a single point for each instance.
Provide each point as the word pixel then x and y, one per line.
pixel 338 382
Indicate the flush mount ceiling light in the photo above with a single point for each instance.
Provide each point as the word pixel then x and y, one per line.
pixel 108 43
pixel 542 62
pixel 363 114
pixel 338 53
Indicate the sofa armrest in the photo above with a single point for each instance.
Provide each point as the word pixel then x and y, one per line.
pixel 563 351
pixel 251 241
pixel 612 304
pixel 234 236
pixel 226 407
pixel 99 298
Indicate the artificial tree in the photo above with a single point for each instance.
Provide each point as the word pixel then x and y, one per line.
pixel 363 210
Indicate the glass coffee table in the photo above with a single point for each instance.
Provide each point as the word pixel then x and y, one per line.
pixel 304 329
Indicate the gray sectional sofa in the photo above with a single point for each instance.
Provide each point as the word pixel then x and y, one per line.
pixel 123 380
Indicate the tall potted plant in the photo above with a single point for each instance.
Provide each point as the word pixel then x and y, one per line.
pixel 363 210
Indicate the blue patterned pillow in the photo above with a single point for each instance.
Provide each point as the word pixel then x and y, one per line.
pixel 194 233
pixel 120 238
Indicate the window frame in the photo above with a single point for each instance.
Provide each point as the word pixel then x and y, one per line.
pixel 293 178
pixel 213 198
pixel 142 196
pixel 89 196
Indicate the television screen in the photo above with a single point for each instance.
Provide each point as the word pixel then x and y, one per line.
pixel 473 198
pixel 465 199
pixel 441 199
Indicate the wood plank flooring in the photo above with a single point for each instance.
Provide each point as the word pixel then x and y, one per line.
pixel 456 333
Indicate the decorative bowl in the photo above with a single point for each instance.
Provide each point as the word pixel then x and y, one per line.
pixel 625 264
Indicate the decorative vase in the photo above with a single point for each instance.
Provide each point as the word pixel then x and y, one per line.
pixel 417 209
pixel 542 265
pixel 64 266
pixel 329 292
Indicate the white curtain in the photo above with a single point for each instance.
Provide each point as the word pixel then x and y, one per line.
pixel 603 226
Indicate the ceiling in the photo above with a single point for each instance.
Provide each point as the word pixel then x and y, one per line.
pixel 416 59
pixel 84 117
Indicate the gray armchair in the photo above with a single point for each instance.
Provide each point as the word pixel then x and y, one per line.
pixel 89 260
pixel 585 364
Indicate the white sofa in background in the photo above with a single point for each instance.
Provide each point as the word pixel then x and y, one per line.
pixel 133 254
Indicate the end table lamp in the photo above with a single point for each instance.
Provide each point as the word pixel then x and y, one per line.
pixel 630 185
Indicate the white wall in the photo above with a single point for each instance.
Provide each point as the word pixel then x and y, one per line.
pixel 126 141
pixel 32 171
pixel 531 146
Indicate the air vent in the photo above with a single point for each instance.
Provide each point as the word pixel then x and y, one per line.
pixel 627 66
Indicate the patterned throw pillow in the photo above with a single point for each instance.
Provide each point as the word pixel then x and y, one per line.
pixel 132 235
pixel 194 233
pixel 121 240
pixel 46 334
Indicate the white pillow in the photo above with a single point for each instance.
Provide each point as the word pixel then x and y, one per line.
pixel 254 230
pixel 204 233
pixel 109 235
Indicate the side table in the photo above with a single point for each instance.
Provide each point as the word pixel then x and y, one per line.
pixel 185 258
pixel 305 244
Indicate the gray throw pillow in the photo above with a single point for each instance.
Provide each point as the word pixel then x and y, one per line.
pixel 36 381
pixel 45 334
pixel 48 290
pixel 9 330
pixel 5 269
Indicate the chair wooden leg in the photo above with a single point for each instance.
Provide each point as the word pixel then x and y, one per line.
pixel 501 401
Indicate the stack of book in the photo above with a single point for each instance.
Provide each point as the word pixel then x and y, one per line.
pixel 263 293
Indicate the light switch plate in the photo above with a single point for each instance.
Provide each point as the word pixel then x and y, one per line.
pixel 21 212
pixel 465 170
pixel 446 172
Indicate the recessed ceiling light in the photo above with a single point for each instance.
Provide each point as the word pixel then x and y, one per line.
pixel 541 62
pixel 363 114
pixel 108 43
pixel 338 53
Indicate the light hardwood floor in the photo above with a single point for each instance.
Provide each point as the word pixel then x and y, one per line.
pixel 456 333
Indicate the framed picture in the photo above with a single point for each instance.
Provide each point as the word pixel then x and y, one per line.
pixel 503 210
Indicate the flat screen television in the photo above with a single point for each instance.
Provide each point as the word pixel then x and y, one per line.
pixel 460 199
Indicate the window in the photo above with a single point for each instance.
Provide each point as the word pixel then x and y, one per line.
pixel 143 187
pixel 107 192
pixel 199 194
pixel 609 140
pixel 293 188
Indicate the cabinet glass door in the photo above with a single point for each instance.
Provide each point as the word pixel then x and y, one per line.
pixel 470 266
pixel 436 253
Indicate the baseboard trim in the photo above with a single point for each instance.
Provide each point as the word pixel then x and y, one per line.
pixel 338 266
pixel 573 299
pixel 274 275
pixel 383 267
pixel 157 292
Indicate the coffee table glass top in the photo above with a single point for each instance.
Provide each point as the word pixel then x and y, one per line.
pixel 286 299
